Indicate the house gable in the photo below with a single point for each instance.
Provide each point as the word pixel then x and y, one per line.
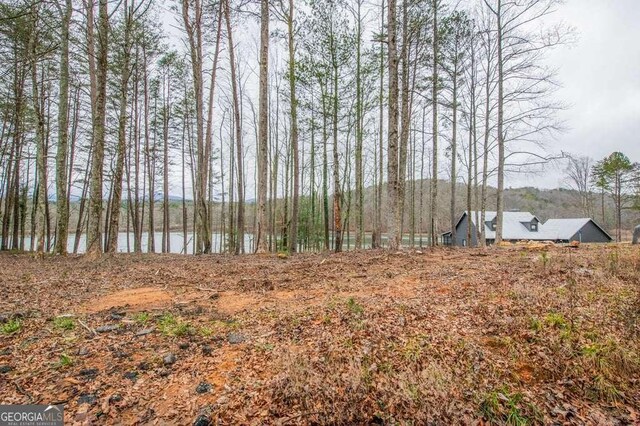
pixel 525 226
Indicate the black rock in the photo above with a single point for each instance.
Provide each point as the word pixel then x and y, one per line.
pixel 131 375
pixel 115 398
pixel 164 372
pixel 202 420
pixel 117 316
pixel 207 350
pixel 4 369
pixel 120 354
pixel 376 420
pixel 169 359
pixel 89 373
pixel 203 387
pixel 144 366
pixel 107 328
pixel 145 331
pixel 235 338
pixel 87 398
pixel 183 346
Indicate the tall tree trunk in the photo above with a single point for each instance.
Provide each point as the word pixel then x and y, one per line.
pixel 501 153
pixel 62 231
pixel 454 156
pixel 194 34
pixel 376 238
pixel 405 123
pixel 337 194
pixel 263 131
pixel 166 114
pixel 41 162
pixel 392 161
pixel 116 195
pixel 434 100
pixel 293 233
pixel 485 147
pixel 149 155
pixel 207 243
pixel 238 127
pixel 325 164
pixel 359 193
pixel 94 241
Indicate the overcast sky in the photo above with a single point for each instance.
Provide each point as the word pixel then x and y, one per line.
pixel 600 75
pixel 600 78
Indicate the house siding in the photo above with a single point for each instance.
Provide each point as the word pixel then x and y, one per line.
pixel 461 232
pixel 590 233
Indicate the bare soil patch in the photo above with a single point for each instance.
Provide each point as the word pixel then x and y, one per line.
pixel 145 298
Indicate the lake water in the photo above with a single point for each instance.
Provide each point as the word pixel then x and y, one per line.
pixel 176 241
pixel 125 242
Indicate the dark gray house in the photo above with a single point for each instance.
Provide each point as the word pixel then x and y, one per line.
pixel 524 226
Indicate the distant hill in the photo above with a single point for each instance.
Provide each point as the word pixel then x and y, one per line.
pixel 544 203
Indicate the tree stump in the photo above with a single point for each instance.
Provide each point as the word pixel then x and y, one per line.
pixel 636 235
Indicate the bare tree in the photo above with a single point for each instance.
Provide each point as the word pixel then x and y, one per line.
pixel 239 247
pixel 578 177
pixel 263 132
pixel 94 240
pixel 293 233
pixel 392 150
pixel 193 28
pixel 63 132
pixel 524 83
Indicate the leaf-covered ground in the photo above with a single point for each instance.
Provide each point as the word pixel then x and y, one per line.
pixel 521 335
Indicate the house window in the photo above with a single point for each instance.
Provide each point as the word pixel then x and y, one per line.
pixel 534 227
pixel 493 225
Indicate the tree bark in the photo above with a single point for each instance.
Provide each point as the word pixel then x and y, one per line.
pixel 392 160
pixel 62 201
pixel 263 131
pixel 293 233
pixel 501 148
pixel 239 247
pixel 94 241
pixel 116 201
pixel 434 102
pixel 359 193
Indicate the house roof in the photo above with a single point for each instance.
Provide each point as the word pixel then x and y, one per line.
pixel 564 229
pixel 513 227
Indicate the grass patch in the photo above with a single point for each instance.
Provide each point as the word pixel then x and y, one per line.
pixel 535 324
pixel 64 323
pixel 265 347
pixel 205 331
pixel 172 326
pixel 142 318
pixel 65 361
pixel 412 350
pixel 354 307
pixel 555 320
pixel 10 327
pixel 501 406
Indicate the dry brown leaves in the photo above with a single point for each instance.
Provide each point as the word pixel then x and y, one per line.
pixel 541 334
